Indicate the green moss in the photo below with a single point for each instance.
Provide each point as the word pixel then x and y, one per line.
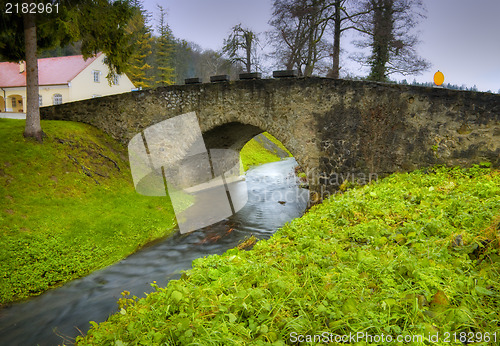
pixel 68 207
pixel 413 254
pixel 253 153
pixel 277 142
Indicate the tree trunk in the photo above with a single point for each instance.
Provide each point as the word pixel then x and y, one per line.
pixel 33 128
pixel 248 39
pixel 382 36
pixel 335 71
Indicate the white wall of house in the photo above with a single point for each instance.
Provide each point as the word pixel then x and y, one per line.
pixel 53 94
pixel 49 95
pixel 92 82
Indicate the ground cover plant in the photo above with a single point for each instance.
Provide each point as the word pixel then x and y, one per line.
pixel 69 207
pixel 413 255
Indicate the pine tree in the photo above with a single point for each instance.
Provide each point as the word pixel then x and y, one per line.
pixel 165 74
pixel 140 72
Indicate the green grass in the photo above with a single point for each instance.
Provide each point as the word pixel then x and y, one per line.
pixel 67 210
pixel 253 153
pixel 56 222
pixel 412 254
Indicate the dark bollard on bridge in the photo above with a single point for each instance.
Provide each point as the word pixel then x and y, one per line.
pixel 220 78
pixel 195 80
pixel 250 75
pixel 286 74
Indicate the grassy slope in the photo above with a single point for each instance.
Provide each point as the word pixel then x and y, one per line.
pixel 386 258
pixel 56 222
pixel 253 153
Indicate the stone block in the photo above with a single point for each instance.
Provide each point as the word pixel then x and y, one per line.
pixel 219 78
pixel 285 74
pixel 251 75
pixel 195 80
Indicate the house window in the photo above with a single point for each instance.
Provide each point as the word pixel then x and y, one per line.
pixel 40 103
pixel 97 76
pixel 14 102
pixel 115 79
pixel 57 99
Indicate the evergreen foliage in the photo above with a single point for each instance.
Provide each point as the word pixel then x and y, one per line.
pixel 165 74
pixel 140 36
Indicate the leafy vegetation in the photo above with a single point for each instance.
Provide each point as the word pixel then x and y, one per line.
pixel 412 254
pixel 68 207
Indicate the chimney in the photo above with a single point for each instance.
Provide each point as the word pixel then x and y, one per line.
pixel 22 67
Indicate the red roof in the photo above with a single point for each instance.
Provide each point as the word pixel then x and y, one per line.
pixel 51 71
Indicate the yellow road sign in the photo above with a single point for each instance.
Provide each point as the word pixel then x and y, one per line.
pixel 438 78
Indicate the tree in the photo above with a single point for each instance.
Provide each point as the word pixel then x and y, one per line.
pixel 343 16
pixel 164 51
pixel 298 31
pixel 212 63
pixel 140 71
pixel 387 26
pixel 74 48
pixel 299 34
pixel 186 57
pixel 241 39
pixel 22 35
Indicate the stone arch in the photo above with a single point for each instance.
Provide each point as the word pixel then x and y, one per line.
pixel 233 135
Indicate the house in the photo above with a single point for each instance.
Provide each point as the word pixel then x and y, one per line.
pixel 61 79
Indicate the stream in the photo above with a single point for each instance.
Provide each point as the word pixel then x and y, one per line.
pixel 59 315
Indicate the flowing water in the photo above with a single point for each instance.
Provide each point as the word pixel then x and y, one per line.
pixel 274 198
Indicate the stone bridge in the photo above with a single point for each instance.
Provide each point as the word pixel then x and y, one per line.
pixel 337 129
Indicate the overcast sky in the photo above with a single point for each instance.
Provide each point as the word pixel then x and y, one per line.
pixel 459 37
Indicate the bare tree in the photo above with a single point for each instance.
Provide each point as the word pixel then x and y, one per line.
pixel 299 34
pixel 388 29
pixel 241 39
pixel 212 62
pixel 299 26
pixel 343 16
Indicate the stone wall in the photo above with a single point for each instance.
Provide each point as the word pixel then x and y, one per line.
pixel 336 129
